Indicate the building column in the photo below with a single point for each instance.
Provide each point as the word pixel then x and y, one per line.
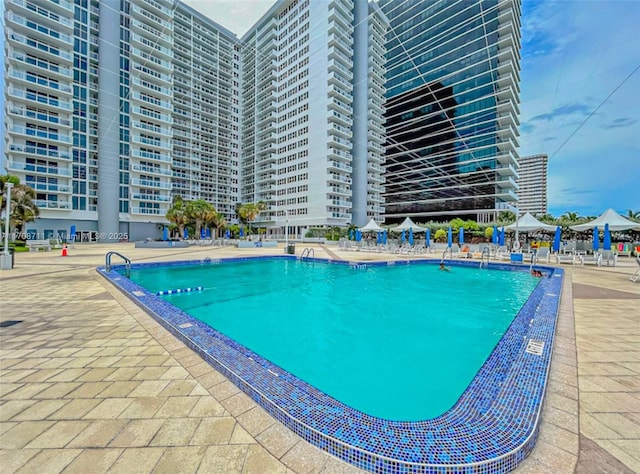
pixel 359 178
pixel 108 121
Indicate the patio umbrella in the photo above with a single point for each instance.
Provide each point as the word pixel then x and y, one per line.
pixel 501 238
pixel 185 235
pixel 596 243
pixel 358 236
pixel 410 235
pixel 449 238
pixel 403 238
pixel 606 243
pixel 241 232
pixel 427 238
pixel 351 235
pixel 378 237
pixel 203 233
pixel 165 233
pixel 494 236
pixel 556 240
pixel 461 235
pixel 227 234
pixel 384 237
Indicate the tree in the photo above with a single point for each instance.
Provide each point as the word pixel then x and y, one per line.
pixel 250 211
pixel 570 216
pixel 219 222
pixel 440 235
pixel 177 214
pixel 23 209
pixel 197 212
pixel 634 216
pixel 3 188
pixel 506 218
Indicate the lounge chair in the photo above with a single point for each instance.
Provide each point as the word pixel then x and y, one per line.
pixel 608 257
pixel 566 258
pixel 542 255
pixel 636 276
pixel 594 259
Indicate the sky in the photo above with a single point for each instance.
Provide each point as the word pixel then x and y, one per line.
pixel 580 95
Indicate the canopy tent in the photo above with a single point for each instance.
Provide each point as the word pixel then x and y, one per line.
pixel 371 226
pixel 528 223
pixel 409 224
pixel 616 222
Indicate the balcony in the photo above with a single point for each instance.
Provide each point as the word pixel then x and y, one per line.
pixel 148 211
pixel 44 204
pixel 32 150
pixel 49 170
pixel 40 99
pixel 44 117
pixel 147 183
pixel 46 135
pixel 47 187
pixel 40 83
pixel 150 169
pixel 42 49
pixel 39 31
pixel 338 166
pixel 151 156
pixel 150 197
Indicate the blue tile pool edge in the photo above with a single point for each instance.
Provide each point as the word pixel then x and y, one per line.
pixel 492 428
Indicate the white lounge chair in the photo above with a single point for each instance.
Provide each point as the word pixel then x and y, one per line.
pixel 566 258
pixel 543 255
pixel 636 275
pixel 592 259
pixel 608 257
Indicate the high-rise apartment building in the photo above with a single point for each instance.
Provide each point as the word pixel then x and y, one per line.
pixel 532 181
pixel 452 108
pixel 115 108
pixel 302 101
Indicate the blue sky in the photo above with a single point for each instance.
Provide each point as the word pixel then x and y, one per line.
pixel 575 54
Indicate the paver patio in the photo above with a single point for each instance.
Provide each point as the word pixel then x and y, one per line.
pixel 90 383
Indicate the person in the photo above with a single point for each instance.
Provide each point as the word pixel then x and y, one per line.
pixel 536 273
pixel 443 268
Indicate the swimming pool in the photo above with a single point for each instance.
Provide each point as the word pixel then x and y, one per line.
pixel 492 425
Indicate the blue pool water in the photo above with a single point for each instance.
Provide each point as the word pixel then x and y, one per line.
pixel 399 342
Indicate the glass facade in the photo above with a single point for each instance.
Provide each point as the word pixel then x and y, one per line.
pixel 452 74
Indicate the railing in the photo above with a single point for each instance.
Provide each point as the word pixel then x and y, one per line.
pixel 308 253
pixel 127 262
pixel 485 251
pixel 450 251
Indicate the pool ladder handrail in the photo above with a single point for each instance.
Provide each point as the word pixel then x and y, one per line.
pixel 485 251
pixel 308 253
pixel 127 262
pixel 448 249
pixel 533 258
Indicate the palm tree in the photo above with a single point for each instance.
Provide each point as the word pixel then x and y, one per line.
pixel 197 212
pixel 23 209
pixel 219 222
pixel 3 181
pixel 634 216
pixel 250 211
pixel 177 215
pixel 570 216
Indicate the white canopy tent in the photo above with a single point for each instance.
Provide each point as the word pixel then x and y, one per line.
pixel 528 223
pixel 409 224
pixel 616 222
pixel 371 226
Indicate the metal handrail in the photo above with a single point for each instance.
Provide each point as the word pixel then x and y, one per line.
pixel 485 251
pixel 308 253
pixel 127 262
pixel 448 249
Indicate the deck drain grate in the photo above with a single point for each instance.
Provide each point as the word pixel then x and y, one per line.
pixel 6 324
pixel 185 325
pixel 535 347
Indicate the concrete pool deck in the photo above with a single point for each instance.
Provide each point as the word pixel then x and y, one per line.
pixel 89 382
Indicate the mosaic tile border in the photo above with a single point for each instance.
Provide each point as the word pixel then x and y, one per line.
pixel 491 429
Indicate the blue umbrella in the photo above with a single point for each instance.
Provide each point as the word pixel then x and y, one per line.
pixel 358 236
pixel 165 233
pixel 410 235
pixel 403 238
pixel 449 238
pixel 186 234
pixel 494 236
pixel 606 243
pixel 227 234
pixel 461 236
pixel 203 233
pixel 351 235
pixel 427 238
pixel 207 233
pixel 501 238
pixel 384 237
pixel 556 240
pixel 241 232
pixel 378 237
pixel 596 239
pixel 72 233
